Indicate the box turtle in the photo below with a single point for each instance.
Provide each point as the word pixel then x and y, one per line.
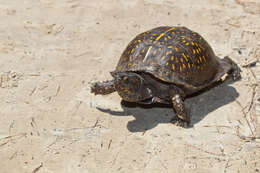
pixel 164 65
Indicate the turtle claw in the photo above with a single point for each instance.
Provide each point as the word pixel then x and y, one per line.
pixel 236 73
pixel 179 122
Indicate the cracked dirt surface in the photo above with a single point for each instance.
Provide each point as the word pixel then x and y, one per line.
pixel 49 122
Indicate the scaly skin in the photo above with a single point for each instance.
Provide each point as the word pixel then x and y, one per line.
pixel 103 88
pixel 183 116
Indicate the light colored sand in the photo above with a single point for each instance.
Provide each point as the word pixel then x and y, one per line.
pixel 50 52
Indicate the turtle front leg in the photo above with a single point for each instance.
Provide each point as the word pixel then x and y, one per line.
pixel 183 117
pixel 103 88
pixel 235 70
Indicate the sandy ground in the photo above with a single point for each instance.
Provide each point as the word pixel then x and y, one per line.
pixel 50 123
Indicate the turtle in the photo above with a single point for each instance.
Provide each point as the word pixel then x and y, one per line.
pixel 165 65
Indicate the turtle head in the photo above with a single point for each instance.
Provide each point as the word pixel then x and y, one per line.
pixel 131 86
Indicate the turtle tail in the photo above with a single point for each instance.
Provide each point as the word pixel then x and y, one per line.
pixel 235 70
pixel 103 88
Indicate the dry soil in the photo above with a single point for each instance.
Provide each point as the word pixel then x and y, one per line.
pixel 50 53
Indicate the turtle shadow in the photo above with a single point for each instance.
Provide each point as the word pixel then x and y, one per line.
pixel 199 104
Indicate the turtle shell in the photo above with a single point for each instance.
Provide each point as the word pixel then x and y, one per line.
pixel 172 54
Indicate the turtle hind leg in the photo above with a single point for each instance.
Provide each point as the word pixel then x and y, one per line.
pixel 234 72
pixel 103 88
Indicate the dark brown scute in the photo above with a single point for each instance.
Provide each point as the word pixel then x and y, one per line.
pixel 172 54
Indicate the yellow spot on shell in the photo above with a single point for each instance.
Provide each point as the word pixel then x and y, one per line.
pixel 194 52
pixel 128 65
pixel 185 57
pixel 197 51
pixel 184 66
pixel 169 37
pixel 177 60
pixel 172 58
pixel 192 43
pixel 173 67
pixel 180 69
pixel 181 60
pixel 162 34
pixel 132 50
pixel 189 65
pixel 176 49
pixel 200 59
pixel 204 58
pixel 169 46
pixel 154 53
pixel 139 41
pixel 187 44
pixel 142 51
pixel 200 38
pixel 167 63
pixel 173 33
pixel 136 46
pixel 165 39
